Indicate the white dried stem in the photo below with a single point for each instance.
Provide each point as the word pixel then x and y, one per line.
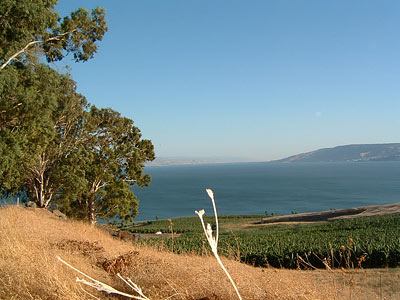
pixel 133 286
pixel 102 287
pixel 211 195
pixel 214 241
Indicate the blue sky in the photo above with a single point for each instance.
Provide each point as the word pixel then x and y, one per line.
pixel 255 80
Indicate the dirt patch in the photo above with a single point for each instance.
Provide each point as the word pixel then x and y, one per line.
pixel 121 263
pixel 85 247
pixel 112 266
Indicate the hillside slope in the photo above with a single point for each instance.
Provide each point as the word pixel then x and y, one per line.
pixel 361 152
pixel 30 240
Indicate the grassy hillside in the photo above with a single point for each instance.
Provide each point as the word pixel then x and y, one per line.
pixel 30 240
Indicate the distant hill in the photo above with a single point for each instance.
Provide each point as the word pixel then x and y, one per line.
pixel 362 152
pixel 176 161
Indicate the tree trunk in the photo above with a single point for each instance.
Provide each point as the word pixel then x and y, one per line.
pixel 91 214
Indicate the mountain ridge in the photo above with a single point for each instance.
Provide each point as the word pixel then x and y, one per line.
pixel 349 153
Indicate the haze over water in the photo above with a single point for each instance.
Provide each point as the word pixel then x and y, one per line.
pixel 252 188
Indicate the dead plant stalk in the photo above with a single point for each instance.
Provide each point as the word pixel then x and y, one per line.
pixel 213 241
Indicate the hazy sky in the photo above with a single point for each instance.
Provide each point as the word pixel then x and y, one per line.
pixel 258 80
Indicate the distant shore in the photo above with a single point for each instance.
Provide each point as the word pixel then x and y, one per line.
pixel 330 215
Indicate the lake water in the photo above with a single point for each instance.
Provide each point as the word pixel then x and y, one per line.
pixel 252 188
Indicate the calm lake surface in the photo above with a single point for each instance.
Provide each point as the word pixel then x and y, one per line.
pixel 252 188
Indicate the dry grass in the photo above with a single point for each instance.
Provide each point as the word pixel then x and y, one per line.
pixel 379 284
pixel 30 240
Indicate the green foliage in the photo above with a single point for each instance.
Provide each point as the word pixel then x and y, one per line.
pixel 39 108
pixel 372 241
pixel 40 118
pixel 112 157
pixel 55 149
pixel 52 147
pixel 30 28
pixel 23 21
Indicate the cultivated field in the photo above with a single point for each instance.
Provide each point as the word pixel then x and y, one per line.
pixel 369 242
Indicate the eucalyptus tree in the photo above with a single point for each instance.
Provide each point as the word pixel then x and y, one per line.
pixel 112 158
pixel 58 151
pixel 31 28
pixel 37 104
pixel 40 127
pixel 51 146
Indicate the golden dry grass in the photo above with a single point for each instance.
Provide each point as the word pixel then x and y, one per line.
pixel 31 239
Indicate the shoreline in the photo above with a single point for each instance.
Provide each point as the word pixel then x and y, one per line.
pixel 336 214
pixel 317 216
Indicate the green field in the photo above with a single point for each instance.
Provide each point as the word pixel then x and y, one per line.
pixel 366 242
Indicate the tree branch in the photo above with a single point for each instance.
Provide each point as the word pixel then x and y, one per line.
pixel 30 44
